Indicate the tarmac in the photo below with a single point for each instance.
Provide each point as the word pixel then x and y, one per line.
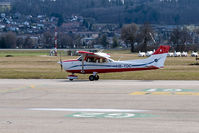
pixel 104 106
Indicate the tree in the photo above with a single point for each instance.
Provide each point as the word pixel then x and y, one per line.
pixel 10 39
pixel 180 37
pixel 48 39
pixel 175 36
pixel 20 42
pixel 77 41
pixel 28 43
pixel 185 36
pixel 2 42
pixel 129 33
pixel 104 41
pixel 115 42
pixel 60 18
pixel 145 34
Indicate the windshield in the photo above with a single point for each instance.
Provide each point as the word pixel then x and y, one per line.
pixel 79 58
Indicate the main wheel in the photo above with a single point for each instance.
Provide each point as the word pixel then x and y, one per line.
pixel 91 78
pixel 71 79
pixel 96 77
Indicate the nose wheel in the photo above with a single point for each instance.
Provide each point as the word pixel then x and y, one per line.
pixel 72 77
pixel 93 77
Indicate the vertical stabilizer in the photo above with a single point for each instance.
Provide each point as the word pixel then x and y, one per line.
pixel 159 56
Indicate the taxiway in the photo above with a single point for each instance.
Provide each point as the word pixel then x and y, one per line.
pixel 105 106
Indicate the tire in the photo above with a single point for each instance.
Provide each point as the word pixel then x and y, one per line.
pixel 96 77
pixel 91 78
pixel 71 79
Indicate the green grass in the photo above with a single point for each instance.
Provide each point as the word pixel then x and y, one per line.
pixel 37 65
pixel 3 53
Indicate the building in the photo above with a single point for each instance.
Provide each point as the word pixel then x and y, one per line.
pixel 5 6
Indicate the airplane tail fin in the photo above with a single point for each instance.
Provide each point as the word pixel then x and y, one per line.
pixel 156 60
pixel 159 56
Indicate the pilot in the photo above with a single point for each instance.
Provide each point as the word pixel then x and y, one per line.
pixel 92 59
pixel 104 60
pixel 97 60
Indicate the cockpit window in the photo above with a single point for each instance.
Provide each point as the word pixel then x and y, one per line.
pixel 95 60
pixel 79 59
pixel 90 59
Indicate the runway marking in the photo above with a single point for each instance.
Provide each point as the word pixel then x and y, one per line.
pixel 86 110
pixel 32 86
pixel 13 90
pixel 160 91
pixel 109 115
pixel 169 90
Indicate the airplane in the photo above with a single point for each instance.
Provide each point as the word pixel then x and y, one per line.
pixel 95 63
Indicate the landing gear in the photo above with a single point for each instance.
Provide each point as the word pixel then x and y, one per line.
pixel 94 77
pixel 91 78
pixel 72 77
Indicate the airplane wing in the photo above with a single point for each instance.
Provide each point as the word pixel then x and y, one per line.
pixel 99 54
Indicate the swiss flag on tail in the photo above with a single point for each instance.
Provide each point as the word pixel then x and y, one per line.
pixel 162 49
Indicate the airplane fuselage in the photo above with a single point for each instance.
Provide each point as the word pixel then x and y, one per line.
pixel 75 66
pixel 94 63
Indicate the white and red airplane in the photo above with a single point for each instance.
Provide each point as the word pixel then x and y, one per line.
pixel 95 63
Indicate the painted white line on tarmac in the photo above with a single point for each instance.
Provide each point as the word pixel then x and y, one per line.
pixel 85 110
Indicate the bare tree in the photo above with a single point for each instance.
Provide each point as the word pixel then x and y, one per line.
pixel 28 43
pixel 65 40
pixel 20 42
pixel 145 35
pixel 115 42
pixel 175 36
pixel 180 37
pixel 10 39
pixel 48 39
pixel 129 33
pixel 103 40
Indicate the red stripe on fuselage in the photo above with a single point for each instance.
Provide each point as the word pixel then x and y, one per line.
pixel 112 70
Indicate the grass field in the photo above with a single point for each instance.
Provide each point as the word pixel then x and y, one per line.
pixel 36 64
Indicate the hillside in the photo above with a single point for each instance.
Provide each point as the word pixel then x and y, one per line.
pixel 116 11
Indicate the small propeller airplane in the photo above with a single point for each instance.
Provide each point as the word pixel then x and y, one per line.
pixel 95 63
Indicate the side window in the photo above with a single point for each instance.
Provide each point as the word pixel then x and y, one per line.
pixel 97 60
pixel 104 60
pixel 90 59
